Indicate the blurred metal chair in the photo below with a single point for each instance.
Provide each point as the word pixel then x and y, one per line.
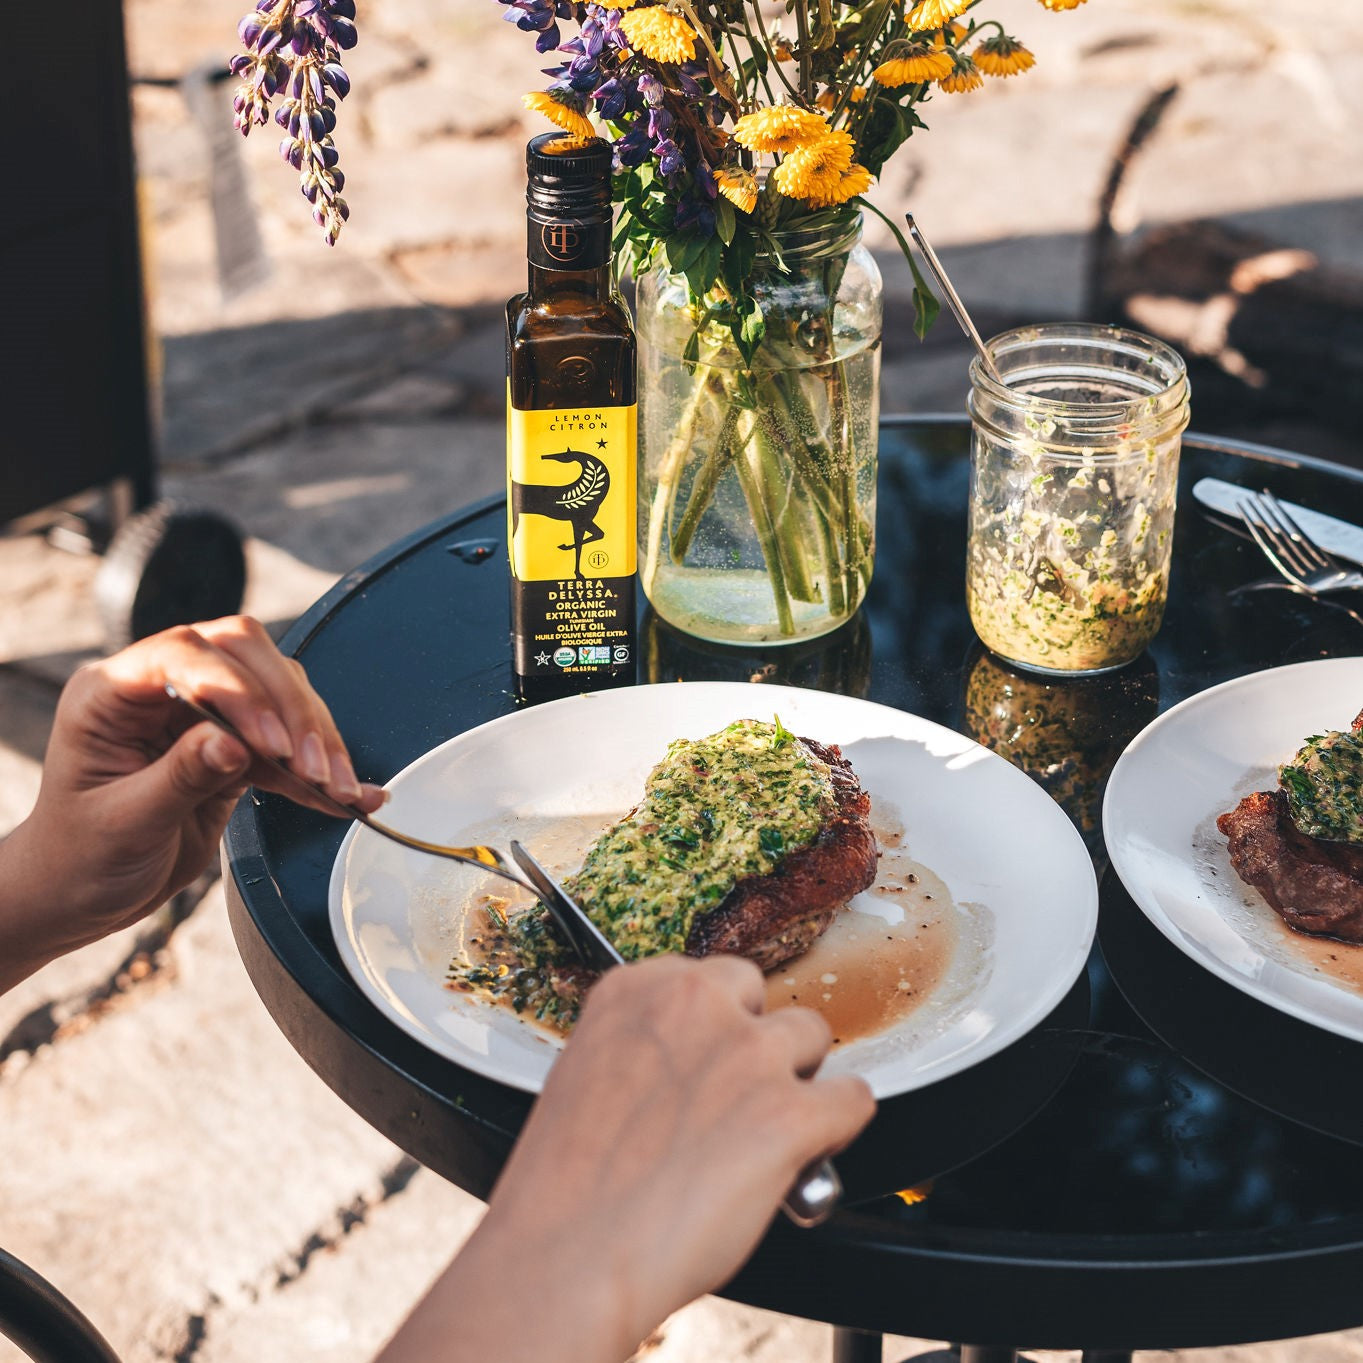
pixel 42 1322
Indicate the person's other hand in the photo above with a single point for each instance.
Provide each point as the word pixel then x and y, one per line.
pixel 675 1121
pixel 136 792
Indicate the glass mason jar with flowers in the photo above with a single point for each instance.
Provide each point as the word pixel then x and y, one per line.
pixel 746 134
pixel 757 474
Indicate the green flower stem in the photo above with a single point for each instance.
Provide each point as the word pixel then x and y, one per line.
pixel 766 42
pixel 670 474
pixel 718 458
pixel 777 405
pixel 766 537
pixel 844 440
pixel 786 403
pixel 789 513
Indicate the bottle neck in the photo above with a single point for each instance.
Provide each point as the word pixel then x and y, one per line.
pixel 595 282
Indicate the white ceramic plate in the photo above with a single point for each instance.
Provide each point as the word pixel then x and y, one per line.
pixel 1022 891
pixel 1199 760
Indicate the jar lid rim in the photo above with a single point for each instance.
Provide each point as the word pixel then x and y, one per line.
pixel 1161 357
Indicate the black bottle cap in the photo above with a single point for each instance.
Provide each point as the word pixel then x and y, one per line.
pixel 579 165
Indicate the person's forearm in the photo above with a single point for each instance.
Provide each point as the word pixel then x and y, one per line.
pixel 511 1294
pixel 27 887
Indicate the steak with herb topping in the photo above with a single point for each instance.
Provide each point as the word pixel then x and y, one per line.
pixel 775 917
pixel 1315 885
pixel 1313 879
pixel 747 842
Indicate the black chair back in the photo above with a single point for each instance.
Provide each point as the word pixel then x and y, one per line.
pixel 43 1323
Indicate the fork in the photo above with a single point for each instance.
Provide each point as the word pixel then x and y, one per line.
pixel 1300 560
pixel 484 858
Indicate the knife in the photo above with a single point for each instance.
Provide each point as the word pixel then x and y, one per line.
pixel 1336 536
pixel 817 1189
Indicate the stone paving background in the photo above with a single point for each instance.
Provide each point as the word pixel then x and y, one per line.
pixel 167 1159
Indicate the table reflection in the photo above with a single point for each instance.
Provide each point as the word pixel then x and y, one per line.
pixel 840 661
pixel 1066 734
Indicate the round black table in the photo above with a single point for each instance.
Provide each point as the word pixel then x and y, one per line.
pixel 1163 1163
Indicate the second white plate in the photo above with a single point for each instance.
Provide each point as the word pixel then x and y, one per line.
pixel 1159 818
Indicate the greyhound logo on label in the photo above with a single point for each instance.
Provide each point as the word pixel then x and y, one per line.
pixel 576 503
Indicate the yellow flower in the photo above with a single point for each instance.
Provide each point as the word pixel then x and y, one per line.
pixel 1003 56
pixel 780 128
pixel 617 4
pixel 1062 4
pixel 817 168
pixel 782 50
pixel 930 14
pixel 951 35
pixel 965 77
pixel 917 66
pixel 855 180
pixel 738 186
pixel 659 35
pixel 829 99
pixel 558 106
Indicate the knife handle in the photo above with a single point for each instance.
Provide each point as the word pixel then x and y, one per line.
pixel 814 1196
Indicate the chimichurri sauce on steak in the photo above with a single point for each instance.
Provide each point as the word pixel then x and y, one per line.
pixel 747 841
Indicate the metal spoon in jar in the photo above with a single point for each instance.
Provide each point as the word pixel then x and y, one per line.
pixel 952 297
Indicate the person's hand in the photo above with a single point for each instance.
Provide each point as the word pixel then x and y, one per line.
pixel 136 792
pixel 668 1132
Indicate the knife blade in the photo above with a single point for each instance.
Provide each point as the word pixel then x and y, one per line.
pixel 815 1194
pixel 1338 537
pixel 586 939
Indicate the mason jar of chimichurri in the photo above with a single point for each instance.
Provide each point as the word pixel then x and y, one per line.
pixel 1074 469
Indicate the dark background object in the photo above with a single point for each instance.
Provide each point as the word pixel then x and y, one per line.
pixel 42 1322
pixel 71 328
pixel 169 565
pixel 73 335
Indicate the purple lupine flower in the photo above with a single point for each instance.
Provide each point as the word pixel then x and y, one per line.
pixel 705 179
pixel 651 88
pixel 584 75
pixel 334 75
pixel 633 149
pixel 294 46
pixel 612 99
pixel 670 158
pixel 592 37
pixel 692 213
pixel 688 77
pixel 659 123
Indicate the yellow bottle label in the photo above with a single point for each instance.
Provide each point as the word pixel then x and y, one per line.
pixel 570 492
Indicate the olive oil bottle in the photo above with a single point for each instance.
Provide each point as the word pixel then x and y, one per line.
pixel 571 504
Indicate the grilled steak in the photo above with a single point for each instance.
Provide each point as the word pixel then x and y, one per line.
pixel 746 842
pixel 1316 886
pixel 773 918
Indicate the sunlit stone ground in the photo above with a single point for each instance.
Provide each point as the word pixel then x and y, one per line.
pixel 168 1160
